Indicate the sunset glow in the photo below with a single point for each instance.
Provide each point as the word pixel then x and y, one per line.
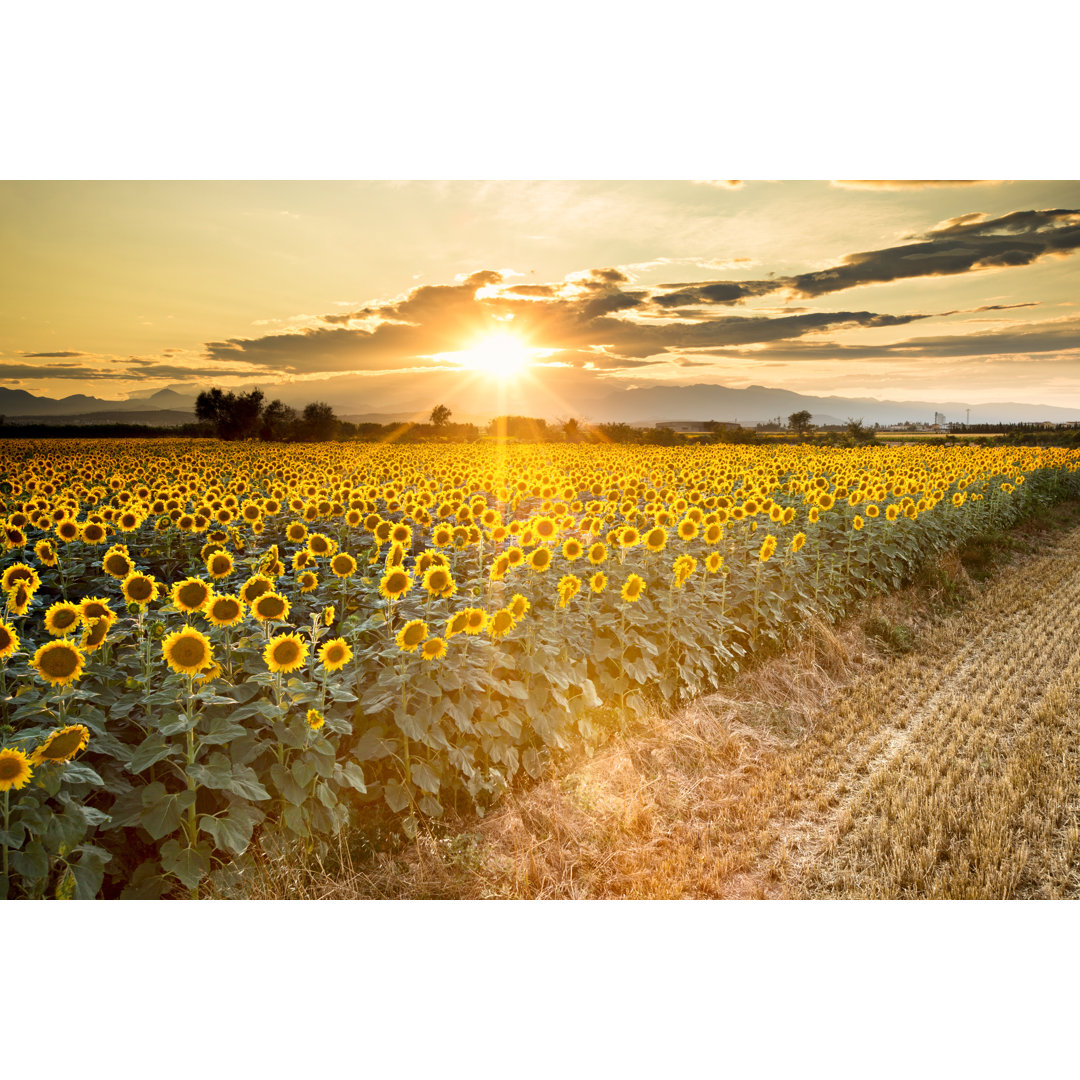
pixel 500 355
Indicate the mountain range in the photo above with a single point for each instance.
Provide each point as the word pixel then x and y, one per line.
pixel 637 405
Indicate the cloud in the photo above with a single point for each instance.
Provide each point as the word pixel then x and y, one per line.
pixel 725 185
pixel 958 245
pixel 50 355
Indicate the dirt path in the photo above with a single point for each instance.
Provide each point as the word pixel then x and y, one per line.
pixel 834 770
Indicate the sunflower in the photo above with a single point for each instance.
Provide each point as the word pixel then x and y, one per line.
pixel 456 624
pixel 63 618
pixel 15 770
pixel 569 585
pixel 67 530
pixel 191 594
pixel 797 541
pixel 59 662
pixel 61 745
pixel 18 599
pixel 139 589
pixel 501 623
pixel 329 614
pixel 433 649
pixel 94 607
pixel 519 606
pixel 321 546
pixel 395 584
pixel 633 588
pixel 683 568
pixel 410 636
pixel 872 509
pixel 296 532
pixel 9 641
pixel 598 582
pixel 656 538
pixel 308 581
pixel 515 556
pixel 714 562
pixel 187 651
pixel 597 553
pixel 285 652
pixel 476 620
pixel 857 523
pixel 94 634
pixel 315 719
pixel 224 609
pixel 254 587
pixel 270 607
pixel 93 533
pixel 540 559
pixel 20 573
pixel 343 565
pixel 45 551
pixel 768 547
pixel 499 567
pixel 219 565
pixel 335 654
pixel 572 549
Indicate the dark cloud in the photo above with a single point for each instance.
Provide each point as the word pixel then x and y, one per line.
pixel 52 371
pixel 1055 336
pixel 50 355
pixel 957 246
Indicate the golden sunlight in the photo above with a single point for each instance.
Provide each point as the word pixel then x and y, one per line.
pixel 501 355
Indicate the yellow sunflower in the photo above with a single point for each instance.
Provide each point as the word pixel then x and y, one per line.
pixel 63 618
pixel 433 649
pixel 519 606
pixel 9 641
pixel 572 549
pixel 20 573
pixel 117 563
pixel 15 769
pixel 191 594
pixel 656 538
pixel 395 583
pixel 187 651
pixel 315 719
pixel 632 589
pixel 45 551
pixel 597 553
pixel 540 559
pixel 411 635
pixel 219 565
pixel 569 585
pixel 335 654
pixel 139 589
pixel 59 662
pixel 61 745
pixel 97 630
pixel 598 582
pixel 254 587
pixel 343 565
pixel 224 609
pixel 285 653
pixel 501 623
pixel 270 607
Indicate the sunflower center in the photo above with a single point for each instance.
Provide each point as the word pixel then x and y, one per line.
pixel 64 618
pixel 10 768
pixel 189 652
pixel 192 595
pixel 140 588
pixel 286 652
pixel 271 606
pixel 60 662
pixel 61 746
pixel 226 609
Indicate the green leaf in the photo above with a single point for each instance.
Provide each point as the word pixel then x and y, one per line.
pixel 162 812
pixel 220 730
pixel 303 771
pixel 232 832
pixel 396 795
pixel 31 863
pixel 288 787
pixel 153 748
pixel 189 864
pixel 350 773
pixel 425 777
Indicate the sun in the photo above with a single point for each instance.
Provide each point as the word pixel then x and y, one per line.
pixel 500 355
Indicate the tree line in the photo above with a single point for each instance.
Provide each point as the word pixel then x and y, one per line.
pixel 248 416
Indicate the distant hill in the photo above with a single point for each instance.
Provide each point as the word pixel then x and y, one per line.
pixel 151 417
pixel 19 403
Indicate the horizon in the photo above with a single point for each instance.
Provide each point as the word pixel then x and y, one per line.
pixel 542 297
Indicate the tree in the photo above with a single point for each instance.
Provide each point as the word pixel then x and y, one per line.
pixel 572 432
pixel 858 432
pixel 233 417
pixel 278 422
pixel 440 415
pixel 799 422
pixel 319 424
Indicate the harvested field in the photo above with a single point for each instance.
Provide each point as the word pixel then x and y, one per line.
pixel 842 768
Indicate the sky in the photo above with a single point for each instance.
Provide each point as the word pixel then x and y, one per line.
pixel 386 296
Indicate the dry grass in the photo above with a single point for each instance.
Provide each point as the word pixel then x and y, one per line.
pixel 835 769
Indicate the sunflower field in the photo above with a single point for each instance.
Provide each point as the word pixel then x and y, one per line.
pixel 212 652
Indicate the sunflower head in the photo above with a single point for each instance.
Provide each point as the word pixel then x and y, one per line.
pixel 191 594
pixel 270 607
pixel 59 662
pixel 187 651
pixel 15 769
pixel 343 565
pixel 395 583
pixel 224 609
pixel 139 589
pixel 9 641
pixel 335 654
pixel 285 653
pixel 315 719
pixel 433 649
pixel 63 618
pixel 411 635
pixel 632 588
pixel 61 745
